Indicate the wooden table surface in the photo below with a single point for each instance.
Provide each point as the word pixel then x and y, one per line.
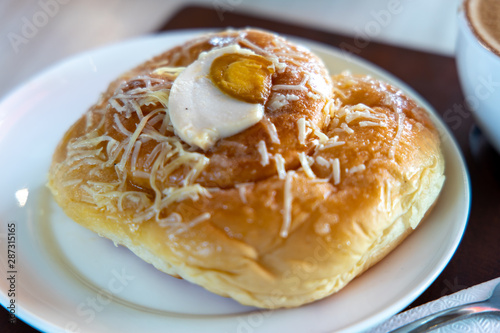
pixel 434 77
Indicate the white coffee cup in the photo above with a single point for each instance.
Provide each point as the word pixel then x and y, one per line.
pixel 478 63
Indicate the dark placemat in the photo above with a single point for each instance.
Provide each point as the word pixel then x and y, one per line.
pixel 435 78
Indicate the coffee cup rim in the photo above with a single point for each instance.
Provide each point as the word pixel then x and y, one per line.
pixel 483 42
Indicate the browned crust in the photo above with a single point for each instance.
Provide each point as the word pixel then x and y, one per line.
pixel 337 231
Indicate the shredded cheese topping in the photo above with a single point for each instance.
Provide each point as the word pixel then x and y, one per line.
pixel 297 87
pixel 168 70
pixel 264 155
pixel 322 137
pixel 331 143
pixel 322 161
pixel 280 165
pixel 277 101
pixel 146 98
pixel 357 168
pixel 99 150
pixel 346 128
pixel 335 163
pixel 371 123
pixel 183 227
pixel 306 166
pixel 242 191
pixel 301 126
pixel 271 129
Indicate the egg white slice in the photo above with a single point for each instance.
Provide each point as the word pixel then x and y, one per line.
pixel 200 112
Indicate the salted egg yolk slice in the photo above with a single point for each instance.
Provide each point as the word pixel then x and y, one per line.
pixel 220 94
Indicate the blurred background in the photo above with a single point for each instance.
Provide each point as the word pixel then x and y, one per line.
pixel 36 34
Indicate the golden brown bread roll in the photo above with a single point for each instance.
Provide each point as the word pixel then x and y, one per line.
pixel 336 173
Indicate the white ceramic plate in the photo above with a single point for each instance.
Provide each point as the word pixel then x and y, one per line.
pixel 69 279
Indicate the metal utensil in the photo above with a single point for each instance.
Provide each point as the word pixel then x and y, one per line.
pixel 445 317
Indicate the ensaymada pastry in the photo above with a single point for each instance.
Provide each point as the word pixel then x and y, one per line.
pixel 236 162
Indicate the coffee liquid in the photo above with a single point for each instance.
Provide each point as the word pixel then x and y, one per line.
pixel 484 17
